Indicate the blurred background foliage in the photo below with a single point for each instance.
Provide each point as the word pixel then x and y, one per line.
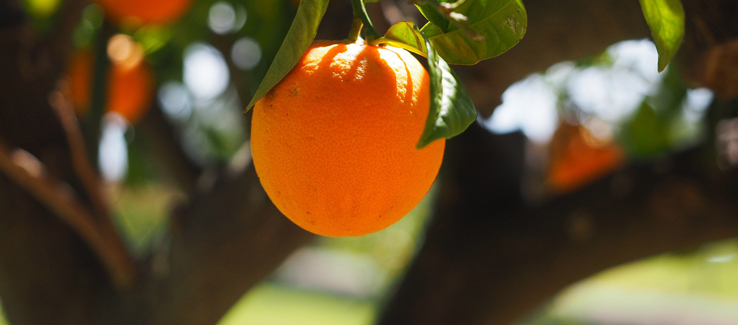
pixel 584 119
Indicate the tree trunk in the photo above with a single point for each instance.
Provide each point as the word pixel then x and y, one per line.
pixel 222 242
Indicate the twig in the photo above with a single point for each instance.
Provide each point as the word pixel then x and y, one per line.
pixel 360 12
pixel 83 168
pixel 86 172
pixel 29 173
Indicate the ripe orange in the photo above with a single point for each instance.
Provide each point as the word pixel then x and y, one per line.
pixel 334 142
pixel 578 158
pixel 145 11
pixel 130 86
pixel 79 75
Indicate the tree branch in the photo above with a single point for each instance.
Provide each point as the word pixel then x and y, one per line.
pixel 514 260
pixel 83 168
pixel 55 263
pixel 124 273
pixel 222 243
pixel 11 14
pixel 557 31
pixel 30 174
pixel 490 258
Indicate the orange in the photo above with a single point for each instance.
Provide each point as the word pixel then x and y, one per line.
pixel 145 11
pixel 578 158
pixel 130 86
pixel 334 142
pixel 79 75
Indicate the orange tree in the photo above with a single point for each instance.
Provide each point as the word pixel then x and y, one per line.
pixel 490 254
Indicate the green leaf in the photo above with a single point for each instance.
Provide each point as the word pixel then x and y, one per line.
pixel 429 9
pixel 299 37
pixel 499 25
pixel 670 95
pixel 451 108
pixel 407 36
pixel 665 18
pixel 359 9
pixel 646 134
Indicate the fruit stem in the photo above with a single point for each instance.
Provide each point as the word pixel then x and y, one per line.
pixel 355 32
pixel 360 12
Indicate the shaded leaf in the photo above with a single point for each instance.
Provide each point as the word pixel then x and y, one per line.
pixel 499 25
pixel 430 12
pixel 646 133
pixel 669 97
pixel 299 37
pixel 452 110
pixel 665 18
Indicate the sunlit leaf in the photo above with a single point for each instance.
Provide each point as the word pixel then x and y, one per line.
pixel 665 18
pixel 299 37
pixel 407 36
pixel 491 28
pixel 41 8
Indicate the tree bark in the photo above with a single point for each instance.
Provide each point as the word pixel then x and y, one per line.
pixel 489 257
pixel 222 242
pixel 557 31
pixel 47 273
pixel 221 245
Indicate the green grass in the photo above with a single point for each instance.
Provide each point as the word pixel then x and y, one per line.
pixel 698 287
pixel 270 304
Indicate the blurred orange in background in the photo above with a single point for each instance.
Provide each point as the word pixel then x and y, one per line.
pixel 145 11
pixel 130 80
pixel 577 157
